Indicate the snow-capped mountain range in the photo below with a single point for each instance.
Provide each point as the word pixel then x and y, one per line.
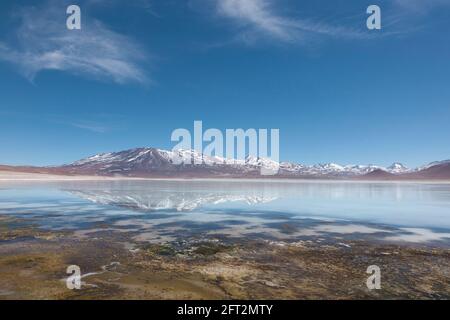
pixel 140 161
pixel 155 163
pixel 336 169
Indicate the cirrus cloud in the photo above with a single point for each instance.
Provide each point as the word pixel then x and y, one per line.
pixel 259 18
pixel 41 42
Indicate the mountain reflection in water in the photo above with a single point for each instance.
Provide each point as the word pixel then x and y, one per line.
pixel 278 210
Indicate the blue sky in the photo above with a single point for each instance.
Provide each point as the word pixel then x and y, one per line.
pixel 139 69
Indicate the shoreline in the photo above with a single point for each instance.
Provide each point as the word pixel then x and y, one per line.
pixel 10 176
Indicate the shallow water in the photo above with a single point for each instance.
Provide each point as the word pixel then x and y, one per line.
pixel 161 211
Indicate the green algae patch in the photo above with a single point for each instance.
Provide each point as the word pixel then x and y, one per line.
pixel 29 233
pixel 160 250
pixel 211 248
pixel 12 229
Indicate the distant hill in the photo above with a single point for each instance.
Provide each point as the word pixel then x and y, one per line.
pixel 438 171
pixel 379 174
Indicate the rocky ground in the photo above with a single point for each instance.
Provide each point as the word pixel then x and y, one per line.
pixel 33 265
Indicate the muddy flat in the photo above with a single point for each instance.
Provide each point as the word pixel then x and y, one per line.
pixel 33 266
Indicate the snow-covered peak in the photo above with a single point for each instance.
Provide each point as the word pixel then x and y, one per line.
pixel 397 168
pixel 98 158
pixel 330 166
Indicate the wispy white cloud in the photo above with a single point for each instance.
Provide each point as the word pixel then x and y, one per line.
pixel 93 122
pixel 259 18
pixel 413 16
pixel 146 5
pixel 422 6
pixel 257 14
pixel 42 42
pixel 90 126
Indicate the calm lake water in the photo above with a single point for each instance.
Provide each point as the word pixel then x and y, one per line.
pixel 160 211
